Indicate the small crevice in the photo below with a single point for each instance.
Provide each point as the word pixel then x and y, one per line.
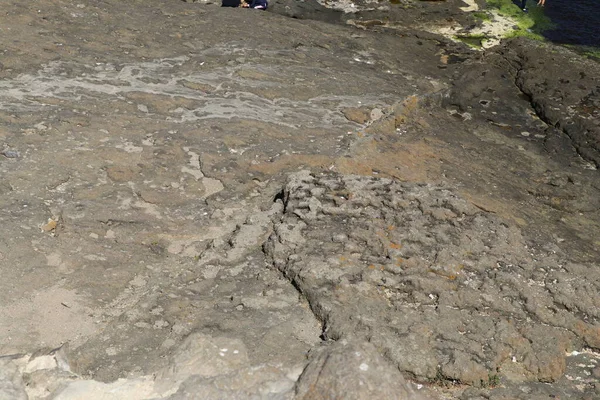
pixel 558 125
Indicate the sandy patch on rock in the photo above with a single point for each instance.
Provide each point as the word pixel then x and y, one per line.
pixel 494 29
pixel 471 6
pixel 50 318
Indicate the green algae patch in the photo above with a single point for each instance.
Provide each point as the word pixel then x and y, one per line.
pixel 482 15
pixel 593 53
pixel 530 24
pixel 474 41
pixel 502 19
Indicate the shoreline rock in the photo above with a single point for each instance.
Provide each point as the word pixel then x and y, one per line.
pixel 156 216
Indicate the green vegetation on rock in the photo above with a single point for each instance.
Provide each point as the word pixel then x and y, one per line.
pixel 529 24
pixel 474 41
pixel 592 53
pixel 482 16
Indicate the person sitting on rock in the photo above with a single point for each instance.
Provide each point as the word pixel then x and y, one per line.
pixel 540 3
pixel 230 3
pixel 257 4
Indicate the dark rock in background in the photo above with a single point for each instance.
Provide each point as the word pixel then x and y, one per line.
pixel 510 81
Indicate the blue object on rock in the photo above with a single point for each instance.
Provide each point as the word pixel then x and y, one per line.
pixel 259 4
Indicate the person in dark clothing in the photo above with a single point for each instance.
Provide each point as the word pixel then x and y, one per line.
pixel 231 3
pixel 257 4
pixel 524 5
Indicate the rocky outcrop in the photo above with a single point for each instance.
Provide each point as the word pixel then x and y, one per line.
pixel 201 367
pixel 520 76
pixel 352 371
pixel 445 290
pixel 213 368
pixel 158 240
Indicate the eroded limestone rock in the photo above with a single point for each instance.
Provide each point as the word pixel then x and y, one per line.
pixel 444 289
pixel 352 371
pixel 11 381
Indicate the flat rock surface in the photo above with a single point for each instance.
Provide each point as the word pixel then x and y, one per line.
pixel 222 201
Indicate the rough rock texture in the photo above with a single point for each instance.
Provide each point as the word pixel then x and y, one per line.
pixel 445 290
pixel 352 371
pixel 200 367
pixel 518 73
pixel 11 382
pixel 146 153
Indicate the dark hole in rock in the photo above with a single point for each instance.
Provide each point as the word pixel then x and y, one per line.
pixel 279 196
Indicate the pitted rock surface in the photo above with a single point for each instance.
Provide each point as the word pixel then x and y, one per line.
pixel 519 83
pixel 444 289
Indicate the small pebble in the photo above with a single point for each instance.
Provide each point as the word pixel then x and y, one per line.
pixel 11 154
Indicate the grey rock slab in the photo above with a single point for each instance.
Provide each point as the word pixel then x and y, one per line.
pixel 225 288
pixel 352 370
pixel 245 301
pixel 11 381
pixel 205 356
pixel 533 86
pixel 135 389
pixel 578 382
pixel 154 138
pixel 200 367
pixel 252 383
